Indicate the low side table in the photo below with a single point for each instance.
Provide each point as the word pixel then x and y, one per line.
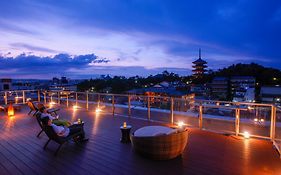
pixel 125 138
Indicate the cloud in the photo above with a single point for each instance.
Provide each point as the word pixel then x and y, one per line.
pixel 33 48
pixel 48 66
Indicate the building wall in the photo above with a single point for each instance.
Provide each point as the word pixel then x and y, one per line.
pixel 270 94
pixel 5 84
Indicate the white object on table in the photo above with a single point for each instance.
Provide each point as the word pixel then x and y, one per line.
pixel 76 123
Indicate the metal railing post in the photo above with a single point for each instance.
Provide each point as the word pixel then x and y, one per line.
pixel 67 100
pixel 52 97
pixel 129 105
pixel 76 99
pixel 45 99
pixel 272 122
pixel 38 96
pixel 237 121
pixel 98 100
pixel 58 97
pixel 23 97
pixel 6 98
pixel 172 110
pixel 200 116
pixel 113 105
pixel 87 100
pixel 148 108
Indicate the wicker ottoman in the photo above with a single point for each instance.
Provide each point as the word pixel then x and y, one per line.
pixel 161 147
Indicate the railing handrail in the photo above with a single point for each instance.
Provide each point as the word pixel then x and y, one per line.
pixel 169 97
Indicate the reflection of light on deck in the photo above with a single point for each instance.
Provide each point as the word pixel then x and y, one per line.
pixel 96 123
pixel 246 151
pixel 10 123
pixel 73 116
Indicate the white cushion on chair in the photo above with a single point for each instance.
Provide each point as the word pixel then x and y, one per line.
pixel 152 131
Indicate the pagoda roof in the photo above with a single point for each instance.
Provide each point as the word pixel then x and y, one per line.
pixel 199 61
pixel 199 66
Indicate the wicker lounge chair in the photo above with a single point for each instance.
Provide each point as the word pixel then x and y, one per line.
pixel 161 147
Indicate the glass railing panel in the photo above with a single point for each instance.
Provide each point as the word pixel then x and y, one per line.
pixel 185 111
pixel 255 120
pixel 160 109
pixel 139 106
pixel 277 138
pixel 218 118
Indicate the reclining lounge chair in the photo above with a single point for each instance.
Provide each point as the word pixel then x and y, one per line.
pixel 32 107
pixel 58 139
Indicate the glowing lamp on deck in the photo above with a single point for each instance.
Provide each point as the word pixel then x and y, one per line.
pixel 51 104
pixel 246 135
pixel 124 125
pixel 11 110
pixel 255 119
pixel 98 110
pixel 262 120
pixel 75 107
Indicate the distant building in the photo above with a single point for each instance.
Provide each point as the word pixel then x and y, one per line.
pixel 63 87
pixel 56 80
pixel 199 66
pixel 239 86
pixel 219 88
pixel 63 80
pixel 200 91
pixel 270 94
pixel 250 95
pixel 162 89
pixel 5 84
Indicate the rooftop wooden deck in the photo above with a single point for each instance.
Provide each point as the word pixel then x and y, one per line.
pixel 21 152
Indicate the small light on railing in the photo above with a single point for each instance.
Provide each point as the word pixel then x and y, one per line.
pixel 262 120
pixel 246 135
pixel 256 119
pixel 75 107
pixel 28 99
pixel 98 110
pixel 180 124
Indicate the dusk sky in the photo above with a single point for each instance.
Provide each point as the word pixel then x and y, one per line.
pixel 84 38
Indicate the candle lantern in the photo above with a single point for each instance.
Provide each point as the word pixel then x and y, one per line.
pixel 124 125
pixel 11 110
